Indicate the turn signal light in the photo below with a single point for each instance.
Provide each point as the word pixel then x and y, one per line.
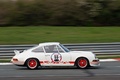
pixel 95 60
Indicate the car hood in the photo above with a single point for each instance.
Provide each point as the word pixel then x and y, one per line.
pixel 81 53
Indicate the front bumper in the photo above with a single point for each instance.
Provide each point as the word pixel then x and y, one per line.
pixel 95 62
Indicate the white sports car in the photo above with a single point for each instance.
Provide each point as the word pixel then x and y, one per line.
pixel 54 54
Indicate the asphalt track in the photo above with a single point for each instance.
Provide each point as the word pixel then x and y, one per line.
pixel 107 71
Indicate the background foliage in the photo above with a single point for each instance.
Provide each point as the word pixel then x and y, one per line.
pixel 60 12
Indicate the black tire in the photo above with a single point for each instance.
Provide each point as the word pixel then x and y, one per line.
pixel 32 63
pixel 82 63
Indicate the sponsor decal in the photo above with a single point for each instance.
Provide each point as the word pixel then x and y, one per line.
pixel 56 57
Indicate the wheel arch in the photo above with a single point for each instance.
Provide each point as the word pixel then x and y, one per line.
pixel 32 58
pixel 82 57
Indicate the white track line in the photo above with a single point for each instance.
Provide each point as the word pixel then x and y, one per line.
pixel 6 64
pixel 107 60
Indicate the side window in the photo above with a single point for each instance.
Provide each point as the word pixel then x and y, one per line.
pixel 60 50
pixel 39 49
pixel 51 49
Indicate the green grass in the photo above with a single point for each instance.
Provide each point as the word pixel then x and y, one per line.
pixel 38 34
pixel 5 61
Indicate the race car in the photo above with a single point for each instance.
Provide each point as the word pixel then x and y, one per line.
pixel 54 54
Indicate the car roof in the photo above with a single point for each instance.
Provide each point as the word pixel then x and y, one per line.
pixel 49 43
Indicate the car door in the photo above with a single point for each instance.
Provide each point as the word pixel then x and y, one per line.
pixel 55 56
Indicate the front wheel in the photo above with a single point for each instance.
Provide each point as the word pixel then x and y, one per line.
pixel 82 63
pixel 32 64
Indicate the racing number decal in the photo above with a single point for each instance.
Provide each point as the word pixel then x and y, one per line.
pixel 56 57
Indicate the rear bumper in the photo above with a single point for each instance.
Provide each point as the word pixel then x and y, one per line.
pixel 14 61
pixel 95 62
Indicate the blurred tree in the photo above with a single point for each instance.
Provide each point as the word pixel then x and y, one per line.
pixel 109 13
pixel 60 12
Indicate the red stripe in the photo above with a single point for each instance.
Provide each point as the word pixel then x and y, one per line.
pixel 41 62
pixel 46 61
pixel 71 62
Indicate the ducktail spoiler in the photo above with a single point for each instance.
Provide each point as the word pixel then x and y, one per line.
pixel 16 52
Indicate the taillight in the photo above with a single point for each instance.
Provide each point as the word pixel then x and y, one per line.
pixel 14 59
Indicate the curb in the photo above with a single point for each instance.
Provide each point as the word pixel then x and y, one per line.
pixel 109 60
pixel 101 60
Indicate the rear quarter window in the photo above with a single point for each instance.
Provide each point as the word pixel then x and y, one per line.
pixel 39 49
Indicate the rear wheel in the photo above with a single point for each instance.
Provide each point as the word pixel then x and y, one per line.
pixel 32 64
pixel 82 63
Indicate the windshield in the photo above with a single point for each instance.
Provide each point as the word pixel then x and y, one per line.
pixel 66 50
